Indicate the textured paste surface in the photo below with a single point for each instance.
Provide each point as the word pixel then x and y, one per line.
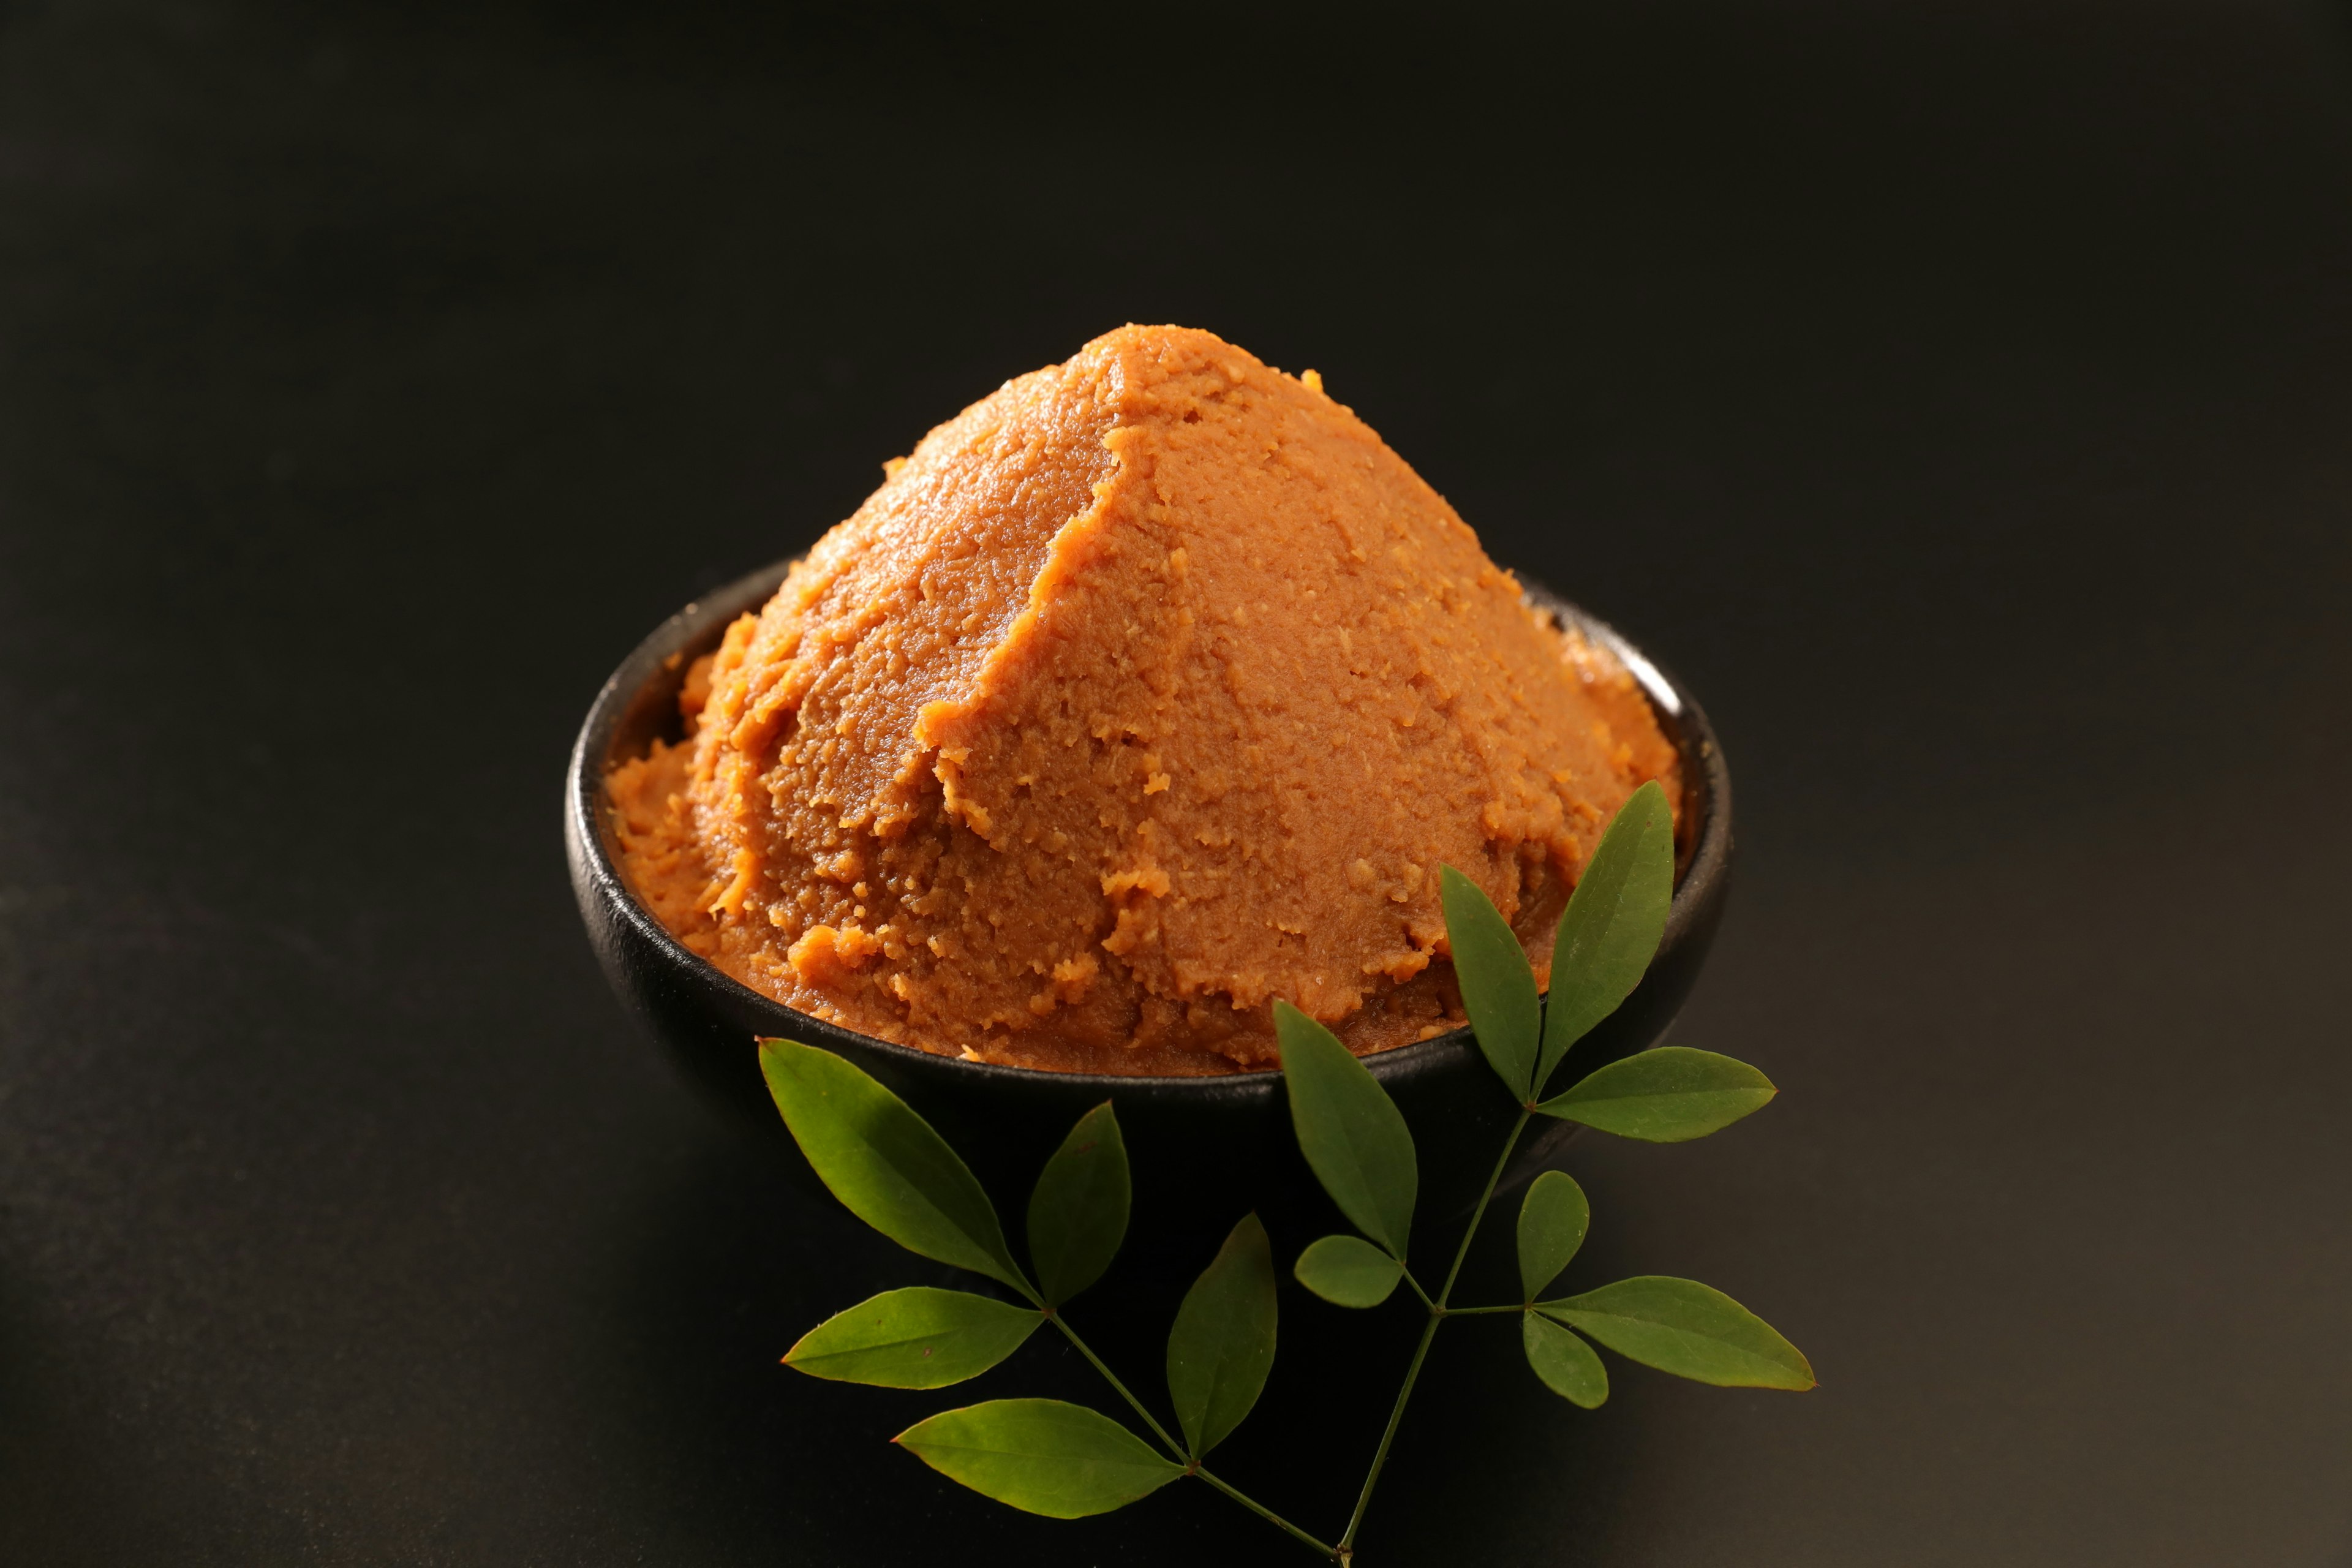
pixel 1150 689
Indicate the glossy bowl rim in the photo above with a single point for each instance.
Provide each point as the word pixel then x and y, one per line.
pixel 1706 780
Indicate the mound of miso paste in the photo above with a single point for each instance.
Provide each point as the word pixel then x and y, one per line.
pixel 1151 688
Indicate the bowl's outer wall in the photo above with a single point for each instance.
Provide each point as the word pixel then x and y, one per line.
pixel 1205 1150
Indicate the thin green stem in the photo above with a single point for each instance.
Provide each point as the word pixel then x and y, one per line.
pixel 1479 1214
pixel 1267 1514
pixel 1438 1312
pixel 1425 1298
pixel 1177 1449
pixel 1134 1404
pixel 1476 1311
pixel 1396 1414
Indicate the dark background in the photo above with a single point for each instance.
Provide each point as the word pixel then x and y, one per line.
pixel 1959 397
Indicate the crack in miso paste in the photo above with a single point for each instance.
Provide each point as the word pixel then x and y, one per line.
pixel 1150 689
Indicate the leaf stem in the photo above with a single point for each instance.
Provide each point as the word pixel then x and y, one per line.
pixel 1134 1404
pixel 1477 1312
pixel 1494 1179
pixel 1267 1514
pixel 1177 1449
pixel 1425 1298
pixel 1380 1455
pixel 1438 1312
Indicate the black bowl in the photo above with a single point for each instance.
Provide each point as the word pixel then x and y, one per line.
pixel 1205 1150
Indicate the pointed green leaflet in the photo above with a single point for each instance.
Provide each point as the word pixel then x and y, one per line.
pixel 1688 1329
pixel 920 1337
pixel 1354 1139
pixel 1042 1456
pixel 1664 1096
pixel 884 1162
pixel 1612 923
pixel 1078 1214
pixel 1498 987
pixel 1222 1347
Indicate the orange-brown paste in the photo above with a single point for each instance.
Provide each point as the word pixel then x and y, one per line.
pixel 1150 689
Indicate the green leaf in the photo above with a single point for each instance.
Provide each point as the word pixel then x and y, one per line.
pixel 1078 1214
pixel 1354 1139
pixel 1566 1363
pixel 1688 1329
pixel 920 1337
pixel 1222 1344
pixel 1552 1222
pixel 884 1162
pixel 1664 1096
pixel 1498 987
pixel 1063 1461
pixel 1348 1271
pixel 1611 929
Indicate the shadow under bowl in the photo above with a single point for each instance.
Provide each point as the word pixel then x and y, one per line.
pixel 1204 1150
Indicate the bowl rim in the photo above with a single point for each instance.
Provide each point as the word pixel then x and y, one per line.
pixel 1702 868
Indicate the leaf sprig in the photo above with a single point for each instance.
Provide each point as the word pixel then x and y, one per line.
pixel 890 1168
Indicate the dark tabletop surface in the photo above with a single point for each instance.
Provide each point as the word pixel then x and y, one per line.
pixel 1959 398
